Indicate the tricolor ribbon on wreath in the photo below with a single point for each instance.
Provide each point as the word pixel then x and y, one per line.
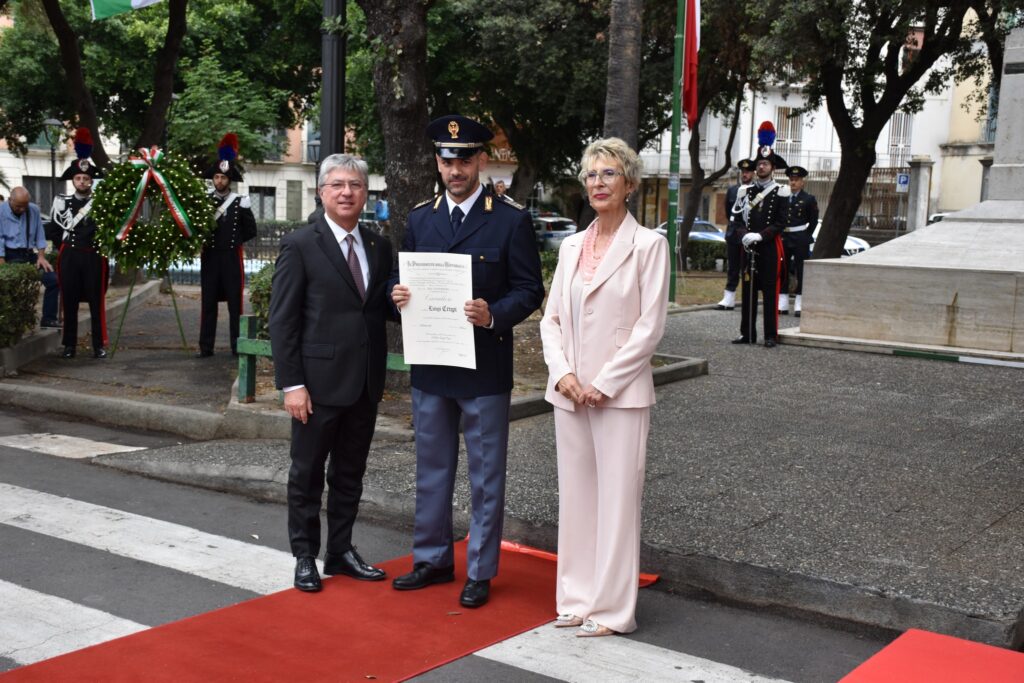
pixel 149 160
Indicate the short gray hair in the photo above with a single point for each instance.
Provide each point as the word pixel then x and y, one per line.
pixel 347 162
pixel 616 150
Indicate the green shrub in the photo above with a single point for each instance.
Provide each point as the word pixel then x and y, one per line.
pixel 703 254
pixel 259 297
pixel 19 292
pixel 548 261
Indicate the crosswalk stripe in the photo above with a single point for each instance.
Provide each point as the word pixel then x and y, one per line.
pixel 35 626
pixel 236 563
pixel 559 654
pixel 64 446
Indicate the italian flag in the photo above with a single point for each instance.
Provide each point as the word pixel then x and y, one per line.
pixel 101 9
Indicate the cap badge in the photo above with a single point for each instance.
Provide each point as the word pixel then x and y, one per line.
pixel 766 151
pixel 224 166
pixel 453 128
pixel 83 165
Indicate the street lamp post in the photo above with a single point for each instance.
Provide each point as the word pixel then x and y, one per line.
pixel 313 154
pixel 51 131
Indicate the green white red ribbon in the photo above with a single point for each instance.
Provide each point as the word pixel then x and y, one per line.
pixel 149 160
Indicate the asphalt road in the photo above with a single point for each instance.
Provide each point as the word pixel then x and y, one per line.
pixel 47 567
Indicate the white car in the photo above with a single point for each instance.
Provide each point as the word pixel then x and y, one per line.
pixel 551 230
pixel 854 245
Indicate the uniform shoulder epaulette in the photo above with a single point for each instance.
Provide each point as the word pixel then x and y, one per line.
pixel 511 202
pixel 424 203
pixel 245 202
pixel 784 191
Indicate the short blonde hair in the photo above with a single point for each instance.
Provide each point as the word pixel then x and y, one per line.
pixel 616 150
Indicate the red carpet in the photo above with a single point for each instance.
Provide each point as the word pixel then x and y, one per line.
pixel 352 631
pixel 924 657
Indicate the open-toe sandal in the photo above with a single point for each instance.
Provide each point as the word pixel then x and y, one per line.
pixel 568 621
pixel 592 629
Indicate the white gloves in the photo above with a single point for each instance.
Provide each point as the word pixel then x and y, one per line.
pixel 751 238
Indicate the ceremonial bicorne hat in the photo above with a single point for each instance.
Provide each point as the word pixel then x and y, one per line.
pixel 81 164
pixel 227 159
pixel 765 140
pixel 458 137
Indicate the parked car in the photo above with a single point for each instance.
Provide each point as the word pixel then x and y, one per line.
pixel 551 230
pixel 702 231
pixel 936 217
pixel 854 245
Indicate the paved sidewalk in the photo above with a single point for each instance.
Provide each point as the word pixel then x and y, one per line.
pixel 879 490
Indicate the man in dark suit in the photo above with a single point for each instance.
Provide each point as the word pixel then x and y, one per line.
pixel 733 249
pixel 327 316
pixel 498 236
pixel 220 271
pixel 797 236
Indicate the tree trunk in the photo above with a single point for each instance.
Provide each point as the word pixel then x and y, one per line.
pixel 400 84
pixel 622 92
pixel 71 60
pixel 155 121
pixel 523 180
pixel 856 162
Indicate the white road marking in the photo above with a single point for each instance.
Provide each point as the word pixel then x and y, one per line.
pixel 236 563
pixel 64 446
pixel 35 626
pixel 559 654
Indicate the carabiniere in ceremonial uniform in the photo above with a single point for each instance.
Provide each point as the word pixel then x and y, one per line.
pixel 763 208
pixel 797 236
pixel 81 271
pixel 222 273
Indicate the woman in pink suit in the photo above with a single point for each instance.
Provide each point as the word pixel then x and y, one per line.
pixel 604 318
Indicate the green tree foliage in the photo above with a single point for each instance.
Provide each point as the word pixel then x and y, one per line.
pixel 216 101
pixel 268 42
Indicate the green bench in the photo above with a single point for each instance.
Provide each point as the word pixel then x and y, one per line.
pixel 250 348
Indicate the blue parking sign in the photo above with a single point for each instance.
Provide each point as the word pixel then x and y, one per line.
pixel 902 182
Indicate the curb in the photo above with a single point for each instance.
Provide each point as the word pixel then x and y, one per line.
pixel 44 341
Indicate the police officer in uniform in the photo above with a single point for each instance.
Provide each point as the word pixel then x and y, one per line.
pixel 81 271
pixel 497 234
pixel 221 271
pixel 801 219
pixel 763 208
pixel 733 248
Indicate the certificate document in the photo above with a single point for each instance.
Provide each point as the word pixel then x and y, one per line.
pixel 434 326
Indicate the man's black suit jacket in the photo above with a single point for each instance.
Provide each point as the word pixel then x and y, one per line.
pixel 323 335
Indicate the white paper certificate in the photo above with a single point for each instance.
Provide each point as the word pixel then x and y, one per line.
pixel 434 326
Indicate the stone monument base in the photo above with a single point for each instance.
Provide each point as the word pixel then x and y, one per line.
pixel 954 287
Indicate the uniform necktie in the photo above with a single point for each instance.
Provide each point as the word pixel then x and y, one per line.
pixel 353 266
pixel 456 220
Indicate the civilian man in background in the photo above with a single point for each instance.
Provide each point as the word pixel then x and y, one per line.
pixel 22 240
pixel 330 350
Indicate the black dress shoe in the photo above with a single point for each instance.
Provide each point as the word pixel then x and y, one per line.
pixel 423 575
pixel 475 593
pixel 204 354
pixel 769 343
pixel 69 352
pixel 741 340
pixel 786 312
pixel 350 564
pixel 99 353
pixel 49 322
pixel 720 307
pixel 307 578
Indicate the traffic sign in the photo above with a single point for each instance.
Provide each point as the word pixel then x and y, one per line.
pixel 902 182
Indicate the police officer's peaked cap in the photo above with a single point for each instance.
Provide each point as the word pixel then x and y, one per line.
pixel 457 137
pixel 227 159
pixel 83 150
pixel 745 165
pixel 796 172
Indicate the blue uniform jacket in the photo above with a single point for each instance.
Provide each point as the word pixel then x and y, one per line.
pixel 500 241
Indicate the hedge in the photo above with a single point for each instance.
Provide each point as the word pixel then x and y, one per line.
pixel 702 254
pixel 19 292
pixel 259 297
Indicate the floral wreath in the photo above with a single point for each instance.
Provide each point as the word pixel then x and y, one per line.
pixel 182 212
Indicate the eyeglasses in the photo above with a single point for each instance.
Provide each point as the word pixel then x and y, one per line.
pixel 339 185
pixel 606 175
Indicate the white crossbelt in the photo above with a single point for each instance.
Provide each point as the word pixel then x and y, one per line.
pixel 797 228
